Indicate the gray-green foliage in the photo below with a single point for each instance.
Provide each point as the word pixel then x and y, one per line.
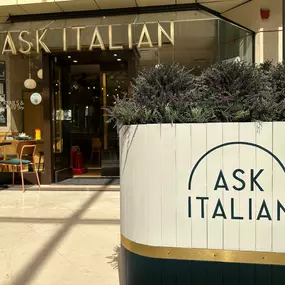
pixel 276 76
pixel 224 92
pixel 163 94
pixel 234 92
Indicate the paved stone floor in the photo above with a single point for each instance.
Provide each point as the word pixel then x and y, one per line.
pixel 58 237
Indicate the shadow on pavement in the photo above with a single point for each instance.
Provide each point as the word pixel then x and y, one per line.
pixel 28 273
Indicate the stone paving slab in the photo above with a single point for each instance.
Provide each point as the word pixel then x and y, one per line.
pixel 58 237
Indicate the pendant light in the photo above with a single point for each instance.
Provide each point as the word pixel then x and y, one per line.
pixel 30 83
pixel 40 74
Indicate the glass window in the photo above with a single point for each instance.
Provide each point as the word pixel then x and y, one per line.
pixel 235 43
pixel 200 38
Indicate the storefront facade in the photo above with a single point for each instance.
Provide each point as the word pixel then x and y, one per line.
pixel 110 46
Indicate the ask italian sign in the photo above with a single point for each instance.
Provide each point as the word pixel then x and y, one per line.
pixel 239 194
pixel 150 35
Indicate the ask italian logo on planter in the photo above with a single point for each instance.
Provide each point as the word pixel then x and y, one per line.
pixel 238 193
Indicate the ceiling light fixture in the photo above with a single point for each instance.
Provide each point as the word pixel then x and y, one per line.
pixel 118 59
pixel 75 61
pixel 115 54
pixel 69 56
pixel 30 83
pixel 40 74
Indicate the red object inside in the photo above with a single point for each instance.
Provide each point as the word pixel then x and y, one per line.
pixel 72 157
pixel 79 171
pixel 76 162
pixel 265 13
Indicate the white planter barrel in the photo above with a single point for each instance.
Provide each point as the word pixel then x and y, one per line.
pixel 205 192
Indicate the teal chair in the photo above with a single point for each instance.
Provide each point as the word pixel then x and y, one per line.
pixel 25 156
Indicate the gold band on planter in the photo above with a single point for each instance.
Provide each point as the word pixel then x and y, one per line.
pixel 204 254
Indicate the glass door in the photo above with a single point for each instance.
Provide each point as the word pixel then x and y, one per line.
pixel 61 141
pixel 114 83
pixel 110 158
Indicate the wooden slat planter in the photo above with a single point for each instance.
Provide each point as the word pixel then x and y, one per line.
pixel 207 193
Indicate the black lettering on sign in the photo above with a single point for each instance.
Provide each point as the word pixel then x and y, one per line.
pixel 224 183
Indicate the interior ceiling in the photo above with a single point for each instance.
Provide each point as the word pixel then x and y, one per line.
pixel 22 7
pixel 93 69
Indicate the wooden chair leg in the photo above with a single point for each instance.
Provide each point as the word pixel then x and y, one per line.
pixel 22 177
pixel 40 160
pixel 37 175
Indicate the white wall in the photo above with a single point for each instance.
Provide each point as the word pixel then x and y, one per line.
pixel 269 32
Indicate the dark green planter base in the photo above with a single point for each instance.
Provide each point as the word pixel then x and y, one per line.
pixel 139 270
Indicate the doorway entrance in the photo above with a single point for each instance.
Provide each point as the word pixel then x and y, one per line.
pixel 84 85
